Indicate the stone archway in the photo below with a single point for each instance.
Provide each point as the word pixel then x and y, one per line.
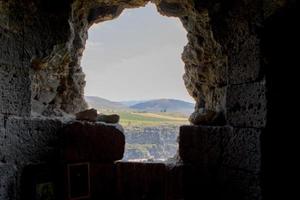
pixel 205 64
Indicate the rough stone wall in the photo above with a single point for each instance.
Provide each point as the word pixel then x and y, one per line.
pixel 228 159
pixel 280 38
pixel 23 140
pixel 225 162
pixel 53 35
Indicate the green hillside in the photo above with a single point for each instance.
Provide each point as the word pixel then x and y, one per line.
pixel 145 113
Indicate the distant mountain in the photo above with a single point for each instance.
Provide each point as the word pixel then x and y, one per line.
pixel 101 103
pixel 156 105
pixel 131 103
pixel 165 105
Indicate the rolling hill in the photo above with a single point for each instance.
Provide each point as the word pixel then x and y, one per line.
pixel 132 103
pixel 165 105
pixel 144 113
pixel 104 104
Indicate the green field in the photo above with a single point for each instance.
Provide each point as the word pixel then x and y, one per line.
pixel 131 118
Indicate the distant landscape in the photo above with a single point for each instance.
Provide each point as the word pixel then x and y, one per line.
pixel 145 113
pixel 151 127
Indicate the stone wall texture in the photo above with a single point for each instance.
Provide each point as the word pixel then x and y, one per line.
pixel 227 69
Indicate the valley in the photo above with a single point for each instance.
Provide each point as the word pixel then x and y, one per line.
pixel 151 132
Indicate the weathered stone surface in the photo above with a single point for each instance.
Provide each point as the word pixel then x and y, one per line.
pixel 238 35
pixel 232 184
pixel 141 180
pixel 111 119
pixel 242 149
pixel 56 38
pixel 238 148
pixel 201 144
pixel 29 141
pixel 244 64
pixel 199 179
pixel 7 182
pixel 11 48
pixel 103 13
pixel 14 90
pixel 246 105
pixel 87 115
pixel 271 6
pixel 171 8
pixel 2 138
pixel 174 182
pixel 207 117
pixel 2 122
pixel 220 183
pixel 103 180
pixel 84 141
pixel 4 16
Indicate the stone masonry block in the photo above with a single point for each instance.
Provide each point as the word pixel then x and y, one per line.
pixel 171 9
pixel 7 182
pixel 246 105
pixel 11 49
pixel 244 61
pixel 27 141
pixel 137 181
pixel 15 95
pixel 201 144
pixel 2 137
pixel 103 180
pixel 174 181
pixel 92 142
pixel 238 185
pixel 2 122
pixel 242 149
pixel 4 14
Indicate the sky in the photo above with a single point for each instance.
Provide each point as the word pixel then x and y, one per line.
pixel 136 57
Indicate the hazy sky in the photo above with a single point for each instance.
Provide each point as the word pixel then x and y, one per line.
pixel 136 57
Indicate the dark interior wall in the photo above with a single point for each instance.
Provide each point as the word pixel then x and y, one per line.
pixel 227 160
pixel 250 161
pixel 280 40
pixel 25 33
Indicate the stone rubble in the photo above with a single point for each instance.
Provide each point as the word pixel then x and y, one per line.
pixel 87 115
pixel 111 119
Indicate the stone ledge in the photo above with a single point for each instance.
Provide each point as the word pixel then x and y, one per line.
pixel 136 180
pixel 202 144
pixel 214 147
pixel 29 140
pixel 237 184
pixel 242 149
pixel 92 142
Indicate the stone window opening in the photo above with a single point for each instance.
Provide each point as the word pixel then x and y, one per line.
pixel 155 136
pixel 57 79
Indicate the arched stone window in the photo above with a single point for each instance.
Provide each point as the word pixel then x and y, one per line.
pixel 137 56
